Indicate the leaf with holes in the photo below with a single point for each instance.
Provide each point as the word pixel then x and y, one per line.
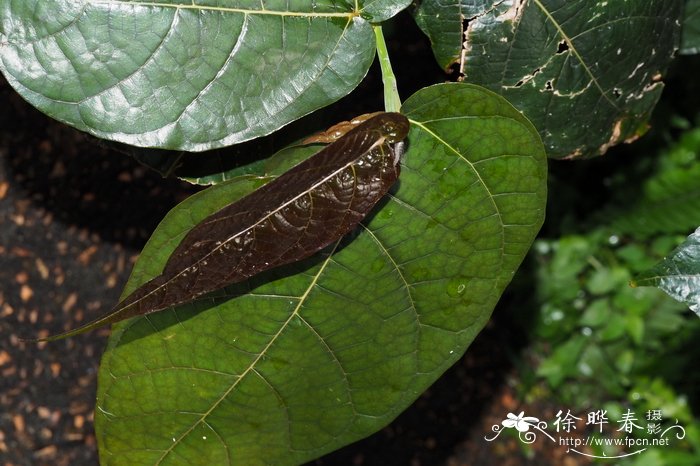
pixel 186 75
pixel 288 219
pixel 587 73
pixel 305 358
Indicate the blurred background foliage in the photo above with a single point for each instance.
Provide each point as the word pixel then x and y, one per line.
pixel 594 342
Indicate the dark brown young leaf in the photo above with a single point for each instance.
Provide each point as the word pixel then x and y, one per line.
pixel 334 133
pixel 288 219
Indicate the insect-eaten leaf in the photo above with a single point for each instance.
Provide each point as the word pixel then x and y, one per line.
pixel 288 219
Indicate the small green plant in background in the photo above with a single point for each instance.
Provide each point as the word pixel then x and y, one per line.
pixel 599 343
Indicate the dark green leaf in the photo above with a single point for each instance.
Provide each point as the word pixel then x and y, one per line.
pixel 185 75
pixel 443 22
pixel 311 356
pixel 678 274
pixel 587 73
pixel 288 219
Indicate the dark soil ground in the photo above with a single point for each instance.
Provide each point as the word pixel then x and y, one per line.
pixel 73 218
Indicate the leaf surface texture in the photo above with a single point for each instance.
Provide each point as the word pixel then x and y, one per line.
pixel 305 358
pixel 587 73
pixel 185 75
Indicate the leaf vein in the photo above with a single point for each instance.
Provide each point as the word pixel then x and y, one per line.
pixel 194 6
pixel 252 365
pixel 575 52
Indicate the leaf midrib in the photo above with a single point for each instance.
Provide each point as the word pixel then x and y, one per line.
pixel 574 51
pixel 251 366
pixel 471 164
pixel 194 6
pixel 202 261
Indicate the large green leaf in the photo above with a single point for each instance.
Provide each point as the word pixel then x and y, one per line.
pixel 678 274
pixel 587 73
pixel 303 359
pixel 185 75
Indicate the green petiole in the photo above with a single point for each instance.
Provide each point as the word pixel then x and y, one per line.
pixel 392 102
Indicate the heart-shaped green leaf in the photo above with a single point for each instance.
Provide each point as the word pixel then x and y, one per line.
pixel 190 75
pixel 301 360
pixel 587 73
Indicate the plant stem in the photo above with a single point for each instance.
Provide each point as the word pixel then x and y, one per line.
pixel 392 102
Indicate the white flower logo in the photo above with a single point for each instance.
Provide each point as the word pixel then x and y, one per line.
pixel 520 422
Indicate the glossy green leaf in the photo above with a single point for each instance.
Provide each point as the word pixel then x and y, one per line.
pixel 303 359
pixel 690 33
pixel 587 73
pixel 185 75
pixel 678 274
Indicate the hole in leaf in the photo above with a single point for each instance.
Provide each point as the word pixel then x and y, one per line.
pixel 527 78
pixel 465 25
pixel 548 86
pixel 563 47
pixel 454 73
pixel 617 92
pixel 456 70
